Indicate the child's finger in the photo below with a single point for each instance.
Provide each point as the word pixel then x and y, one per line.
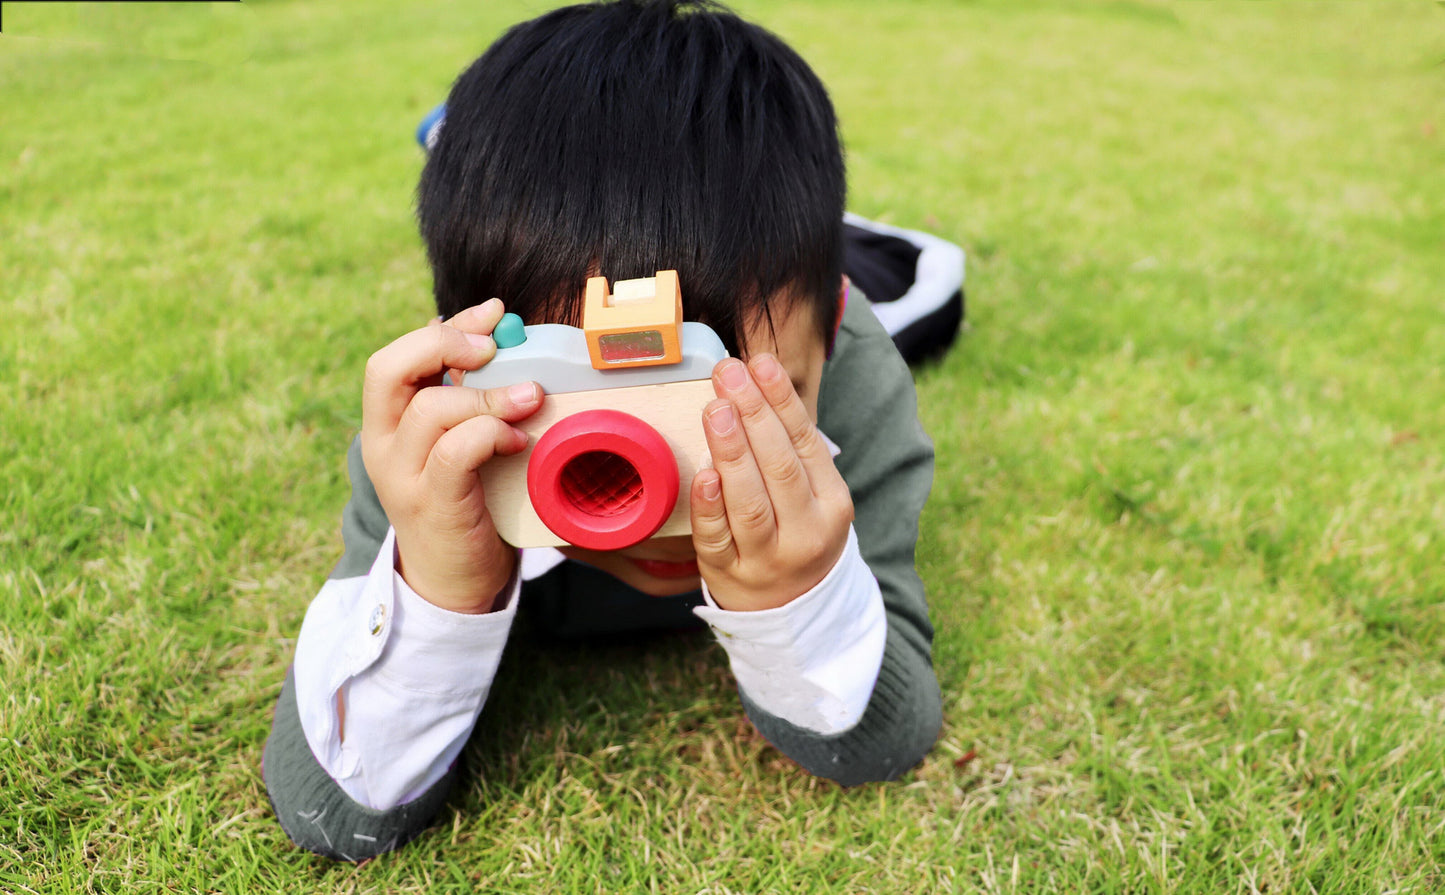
pixel 451 467
pixel 711 536
pixel 480 318
pixel 434 411
pixel 744 495
pixel 806 440
pixel 783 473
pixel 454 374
pixel 397 372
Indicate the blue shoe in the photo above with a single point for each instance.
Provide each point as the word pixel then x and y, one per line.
pixel 426 132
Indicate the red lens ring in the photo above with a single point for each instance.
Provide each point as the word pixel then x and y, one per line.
pixel 614 432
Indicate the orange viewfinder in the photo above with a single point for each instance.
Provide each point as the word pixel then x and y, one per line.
pixel 637 324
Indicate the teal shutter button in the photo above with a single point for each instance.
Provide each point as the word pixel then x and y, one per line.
pixel 509 332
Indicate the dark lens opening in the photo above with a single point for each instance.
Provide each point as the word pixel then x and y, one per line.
pixel 600 483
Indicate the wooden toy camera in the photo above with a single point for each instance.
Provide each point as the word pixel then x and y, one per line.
pixel 618 439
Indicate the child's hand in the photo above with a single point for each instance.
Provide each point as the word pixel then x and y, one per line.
pixel 423 442
pixel 771 518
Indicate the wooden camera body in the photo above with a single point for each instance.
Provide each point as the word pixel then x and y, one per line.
pixel 619 437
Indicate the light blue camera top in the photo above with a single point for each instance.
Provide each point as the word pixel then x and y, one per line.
pixel 555 356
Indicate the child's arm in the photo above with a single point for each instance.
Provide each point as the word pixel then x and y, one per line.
pixel 363 646
pixel 394 628
pixel 868 405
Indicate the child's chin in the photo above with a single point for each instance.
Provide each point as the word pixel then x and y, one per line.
pixel 656 578
pixel 655 586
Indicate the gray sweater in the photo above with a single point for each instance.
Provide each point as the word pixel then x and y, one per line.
pixel 866 405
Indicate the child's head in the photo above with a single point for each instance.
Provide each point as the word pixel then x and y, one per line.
pixel 628 137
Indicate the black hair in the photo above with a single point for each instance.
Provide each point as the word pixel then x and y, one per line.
pixel 626 137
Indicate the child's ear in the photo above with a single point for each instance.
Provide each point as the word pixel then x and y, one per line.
pixel 843 284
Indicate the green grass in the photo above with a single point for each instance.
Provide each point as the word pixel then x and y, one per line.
pixel 1186 549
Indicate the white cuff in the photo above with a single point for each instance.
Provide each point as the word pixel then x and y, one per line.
pixel 814 661
pixel 436 651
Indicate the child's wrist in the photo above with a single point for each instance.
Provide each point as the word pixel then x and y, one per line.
pixel 468 594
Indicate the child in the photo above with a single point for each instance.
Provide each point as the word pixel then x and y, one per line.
pixel 620 139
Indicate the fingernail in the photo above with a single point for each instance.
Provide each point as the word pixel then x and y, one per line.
pixel 522 392
pixel 733 376
pixel 480 340
pixel 722 419
pixel 766 367
pixel 711 489
pixel 487 305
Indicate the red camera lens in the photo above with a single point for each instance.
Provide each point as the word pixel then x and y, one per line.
pixel 602 480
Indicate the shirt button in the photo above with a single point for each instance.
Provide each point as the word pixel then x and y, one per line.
pixel 378 619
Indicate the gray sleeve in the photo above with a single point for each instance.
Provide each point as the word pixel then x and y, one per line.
pixel 363 521
pixel 868 406
pixel 314 811
pixel 317 814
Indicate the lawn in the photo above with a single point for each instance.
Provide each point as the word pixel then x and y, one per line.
pixel 1186 545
